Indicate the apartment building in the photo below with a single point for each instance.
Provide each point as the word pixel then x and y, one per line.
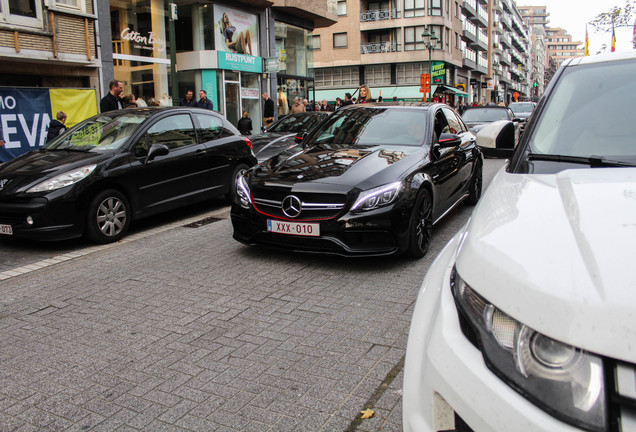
pixel 561 46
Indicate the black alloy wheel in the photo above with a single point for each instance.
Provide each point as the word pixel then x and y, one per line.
pixel 238 172
pixel 421 226
pixel 476 184
pixel 108 217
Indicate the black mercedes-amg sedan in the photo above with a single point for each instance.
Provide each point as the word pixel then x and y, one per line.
pixel 119 166
pixel 370 180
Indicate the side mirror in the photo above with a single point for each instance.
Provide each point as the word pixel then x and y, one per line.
pixel 263 128
pixel 156 150
pixel 300 137
pixel 447 140
pixel 497 138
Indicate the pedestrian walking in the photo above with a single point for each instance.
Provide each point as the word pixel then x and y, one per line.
pixel 204 102
pixel 347 100
pixel 57 126
pixel 111 101
pixel 129 101
pixel 245 124
pixel 268 110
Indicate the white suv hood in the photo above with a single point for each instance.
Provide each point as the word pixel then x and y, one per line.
pixel 558 253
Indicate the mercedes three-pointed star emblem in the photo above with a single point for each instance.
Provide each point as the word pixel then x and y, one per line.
pixel 291 206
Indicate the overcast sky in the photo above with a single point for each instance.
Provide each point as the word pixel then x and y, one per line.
pixel 572 16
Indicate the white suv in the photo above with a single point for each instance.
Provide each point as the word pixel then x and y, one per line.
pixel 526 321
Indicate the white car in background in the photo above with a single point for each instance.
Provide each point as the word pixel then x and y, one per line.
pixel 526 321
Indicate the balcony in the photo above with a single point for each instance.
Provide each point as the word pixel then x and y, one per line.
pixel 378 15
pixel 470 8
pixel 379 47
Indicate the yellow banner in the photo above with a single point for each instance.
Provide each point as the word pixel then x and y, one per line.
pixel 77 104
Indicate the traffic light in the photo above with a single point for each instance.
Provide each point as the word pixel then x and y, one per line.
pixel 535 84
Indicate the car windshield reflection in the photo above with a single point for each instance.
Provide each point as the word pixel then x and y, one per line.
pixel 485 115
pixel 581 123
pixel 377 126
pixel 299 123
pixel 100 133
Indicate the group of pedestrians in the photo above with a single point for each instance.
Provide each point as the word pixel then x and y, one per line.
pixel 113 100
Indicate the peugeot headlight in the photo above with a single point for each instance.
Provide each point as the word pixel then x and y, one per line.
pixel 563 380
pixel 62 180
pixel 243 192
pixel 377 197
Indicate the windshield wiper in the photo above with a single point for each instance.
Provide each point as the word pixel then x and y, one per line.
pixel 592 161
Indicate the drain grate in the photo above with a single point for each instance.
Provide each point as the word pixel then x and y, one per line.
pixel 200 223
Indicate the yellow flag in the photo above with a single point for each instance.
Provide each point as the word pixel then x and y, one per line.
pixel 587 42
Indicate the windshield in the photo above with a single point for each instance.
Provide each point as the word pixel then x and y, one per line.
pixel 485 115
pixel 590 113
pixel 297 123
pixel 99 133
pixel 373 126
pixel 521 107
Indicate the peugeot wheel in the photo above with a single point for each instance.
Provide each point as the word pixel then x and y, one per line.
pixel 108 217
pixel 421 226
pixel 474 192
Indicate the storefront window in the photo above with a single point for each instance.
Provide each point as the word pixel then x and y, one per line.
pixel 293 48
pixel 140 52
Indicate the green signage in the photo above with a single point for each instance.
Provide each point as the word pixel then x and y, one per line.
pixel 240 62
pixel 438 72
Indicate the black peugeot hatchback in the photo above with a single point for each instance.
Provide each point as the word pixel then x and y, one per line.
pixel 119 166
pixel 372 179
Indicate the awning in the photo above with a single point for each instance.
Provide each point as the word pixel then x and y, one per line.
pixel 450 90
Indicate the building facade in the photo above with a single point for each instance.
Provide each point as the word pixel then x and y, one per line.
pixel 233 50
pixel 561 46
pixel 479 45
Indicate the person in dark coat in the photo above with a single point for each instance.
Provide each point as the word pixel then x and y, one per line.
pixel 56 127
pixel 347 100
pixel 111 101
pixel 188 100
pixel 268 110
pixel 204 102
pixel 245 124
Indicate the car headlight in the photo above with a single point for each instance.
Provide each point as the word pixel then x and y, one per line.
pixel 243 192
pixel 563 380
pixel 62 180
pixel 377 197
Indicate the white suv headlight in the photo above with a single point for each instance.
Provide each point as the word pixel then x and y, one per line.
pixel 563 380
pixel 62 180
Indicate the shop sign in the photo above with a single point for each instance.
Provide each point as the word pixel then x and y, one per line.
pixel 249 93
pixel 239 62
pixel 147 42
pixel 271 64
pixel 438 70
pixel 490 84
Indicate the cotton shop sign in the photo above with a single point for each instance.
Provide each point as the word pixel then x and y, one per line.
pixel 148 42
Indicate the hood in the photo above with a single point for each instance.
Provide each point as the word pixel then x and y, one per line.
pixel 33 167
pixel 268 145
pixel 556 253
pixel 477 126
pixel 345 166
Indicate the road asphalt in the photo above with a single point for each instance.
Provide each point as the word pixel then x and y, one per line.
pixel 178 327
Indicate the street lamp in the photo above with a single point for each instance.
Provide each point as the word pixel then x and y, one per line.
pixel 430 40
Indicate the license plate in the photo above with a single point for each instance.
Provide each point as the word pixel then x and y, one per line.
pixel 6 230
pixel 293 228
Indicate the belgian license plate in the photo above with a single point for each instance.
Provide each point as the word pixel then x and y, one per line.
pixel 293 228
pixel 6 230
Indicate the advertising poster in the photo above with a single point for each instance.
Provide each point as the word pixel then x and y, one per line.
pixel 25 115
pixel 236 31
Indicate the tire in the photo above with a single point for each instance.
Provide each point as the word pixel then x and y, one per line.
pixel 476 184
pixel 107 217
pixel 238 171
pixel 421 226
